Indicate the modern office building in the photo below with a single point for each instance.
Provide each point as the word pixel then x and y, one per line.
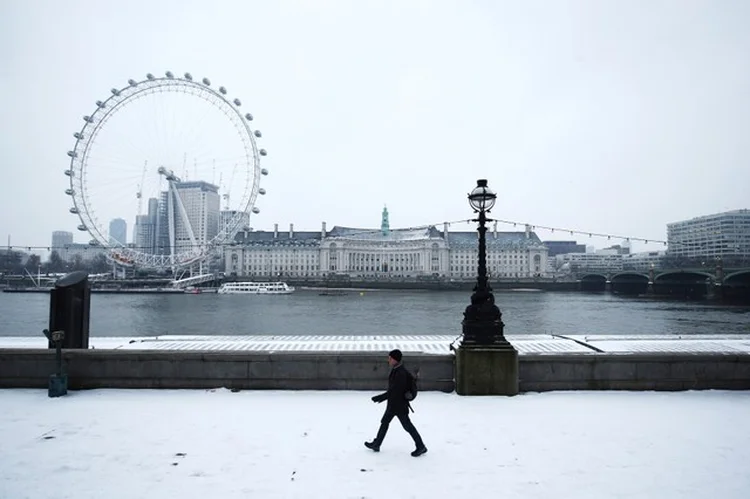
pixel 561 247
pixel 722 235
pixel 146 228
pixel 60 239
pixel 118 232
pixel 644 261
pixel 602 261
pixel 201 202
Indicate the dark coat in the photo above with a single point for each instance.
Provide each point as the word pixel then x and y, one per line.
pixel 398 384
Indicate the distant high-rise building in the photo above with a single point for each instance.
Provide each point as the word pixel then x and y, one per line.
pixel 146 230
pixel 118 232
pixel 60 239
pixel 200 205
pixel 201 202
pixel 162 225
pixel 721 235
pixel 620 249
pixel 563 247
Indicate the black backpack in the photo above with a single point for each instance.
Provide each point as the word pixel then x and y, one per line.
pixel 411 386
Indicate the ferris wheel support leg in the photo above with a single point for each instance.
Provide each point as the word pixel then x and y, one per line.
pixel 170 219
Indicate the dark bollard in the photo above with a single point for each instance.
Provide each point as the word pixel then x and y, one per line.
pixel 58 382
pixel 69 309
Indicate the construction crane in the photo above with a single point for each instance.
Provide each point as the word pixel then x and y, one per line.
pixel 226 195
pixel 139 194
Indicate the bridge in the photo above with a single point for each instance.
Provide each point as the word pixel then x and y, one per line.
pixel 681 282
pixel 192 281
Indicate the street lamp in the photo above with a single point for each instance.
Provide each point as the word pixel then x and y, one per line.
pixel 482 324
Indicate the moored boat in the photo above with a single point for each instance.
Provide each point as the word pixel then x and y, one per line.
pixel 256 288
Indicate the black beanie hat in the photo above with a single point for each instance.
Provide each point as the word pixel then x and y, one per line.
pixel 395 355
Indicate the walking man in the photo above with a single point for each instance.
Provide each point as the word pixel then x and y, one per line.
pixel 398 405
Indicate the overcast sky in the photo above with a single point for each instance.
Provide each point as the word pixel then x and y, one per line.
pixel 606 116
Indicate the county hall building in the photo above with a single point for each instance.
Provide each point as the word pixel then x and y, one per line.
pixel 382 254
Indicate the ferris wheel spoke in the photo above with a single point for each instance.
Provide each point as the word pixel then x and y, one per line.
pixel 121 131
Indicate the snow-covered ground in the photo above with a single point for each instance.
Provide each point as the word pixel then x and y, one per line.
pixel 219 444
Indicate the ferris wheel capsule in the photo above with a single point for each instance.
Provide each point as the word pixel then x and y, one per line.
pixel 263 171
pixel 82 228
pixel 149 76
pixel 72 154
pixel 100 104
pixel 132 83
pixel 206 81
pixel 78 135
pixel 70 192
pixel 262 191
pixel 257 133
pixel 188 77
pixel 69 173
pixel 237 102
pixel 255 210
pixel 88 119
pixel 74 210
pixel 249 117
pixel 169 74
pixel 263 152
pixel 115 92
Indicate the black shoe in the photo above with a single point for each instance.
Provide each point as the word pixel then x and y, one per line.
pixel 375 447
pixel 418 452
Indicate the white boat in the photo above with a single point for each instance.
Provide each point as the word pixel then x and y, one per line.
pixel 256 288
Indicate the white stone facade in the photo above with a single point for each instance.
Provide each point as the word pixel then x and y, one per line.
pixel 383 254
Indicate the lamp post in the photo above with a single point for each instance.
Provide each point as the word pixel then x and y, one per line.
pixel 482 324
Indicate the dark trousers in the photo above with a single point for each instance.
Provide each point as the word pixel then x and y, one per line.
pixel 405 422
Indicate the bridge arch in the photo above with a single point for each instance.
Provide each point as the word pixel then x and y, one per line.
pixel 741 276
pixel 593 276
pixel 736 287
pixel 629 274
pixel 684 284
pixel 630 283
pixel 683 275
pixel 593 282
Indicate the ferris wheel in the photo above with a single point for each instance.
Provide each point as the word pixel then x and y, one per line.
pixel 164 171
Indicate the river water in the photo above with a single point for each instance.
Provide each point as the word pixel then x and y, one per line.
pixel 375 312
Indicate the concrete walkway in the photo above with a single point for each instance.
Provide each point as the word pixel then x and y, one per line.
pixel 427 344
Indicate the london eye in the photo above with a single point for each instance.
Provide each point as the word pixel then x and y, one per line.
pixel 164 171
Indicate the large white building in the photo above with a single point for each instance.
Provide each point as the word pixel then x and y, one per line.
pixel 721 235
pixel 602 261
pixel 384 253
pixel 201 202
pixel 643 261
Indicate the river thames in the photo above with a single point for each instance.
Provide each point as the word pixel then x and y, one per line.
pixel 375 312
